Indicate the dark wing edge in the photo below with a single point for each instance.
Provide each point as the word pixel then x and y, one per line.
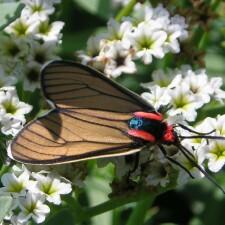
pixel 134 97
pixel 118 152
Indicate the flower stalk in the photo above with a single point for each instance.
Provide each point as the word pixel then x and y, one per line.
pixel 144 200
pixel 125 11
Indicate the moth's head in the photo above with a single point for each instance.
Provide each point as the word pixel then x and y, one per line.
pixel 170 135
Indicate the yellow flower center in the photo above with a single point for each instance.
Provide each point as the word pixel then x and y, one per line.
pixel 20 28
pixel 17 188
pixel 44 27
pixel 37 8
pixel 218 151
pixel 146 43
pixel 9 107
pixel 48 188
pixel 180 102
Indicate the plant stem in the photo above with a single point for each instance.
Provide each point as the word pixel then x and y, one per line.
pixel 112 204
pixel 126 10
pixel 139 212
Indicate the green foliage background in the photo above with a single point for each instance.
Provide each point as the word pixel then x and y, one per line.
pixel 199 202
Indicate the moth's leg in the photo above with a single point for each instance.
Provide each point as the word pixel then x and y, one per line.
pixel 174 161
pixel 135 158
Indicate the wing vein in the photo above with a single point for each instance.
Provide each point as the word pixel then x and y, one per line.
pixel 91 122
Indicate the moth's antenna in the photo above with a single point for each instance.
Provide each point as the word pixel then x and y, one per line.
pixel 208 176
pixel 202 136
pixel 193 131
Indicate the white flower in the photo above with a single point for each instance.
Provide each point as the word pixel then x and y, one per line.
pixel 159 19
pixel 11 125
pixel 118 60
pixel 195 143
pixel 217 124
pixel 216 155
pixel 218 93
pixel 92 56
pixel 6 80
pixel 12 49
pixel 31 76
pixel 22 27
pixel 157 96
pixel 50 32
pixel 94 45
pixel 215 149
pixel 147 42
pixel 198 84
pixel 161 13
pixel 142 13
pixel 176 31
pixel 12 111
pixel 160 78
pixel 19 169
pixel 41 53
pixel 177 118
pixel 178 24
pixel 32 207
pixel 15 184
pixel 171 44
pixel 183 102
pixel 51 187
pixel 63 170
pixel 117 31
pixel 14 221
pixel 11 106
pixel 38 9
pixel 198 157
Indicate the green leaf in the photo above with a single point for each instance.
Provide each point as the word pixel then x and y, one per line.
pixel 203 42
pixel 8 12
pixel 62 217
pixel 101 8
pixel 197 36
pixel 5 205
pixel 75 41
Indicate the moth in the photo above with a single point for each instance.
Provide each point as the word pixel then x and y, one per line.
pixel 93 117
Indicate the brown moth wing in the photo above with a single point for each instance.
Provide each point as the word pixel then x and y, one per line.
pixel 90 119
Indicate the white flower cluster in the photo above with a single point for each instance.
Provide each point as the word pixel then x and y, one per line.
pixel 149 32
pixel 182 92
pixel 32 192
pixel 28 43
pixel 12 111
